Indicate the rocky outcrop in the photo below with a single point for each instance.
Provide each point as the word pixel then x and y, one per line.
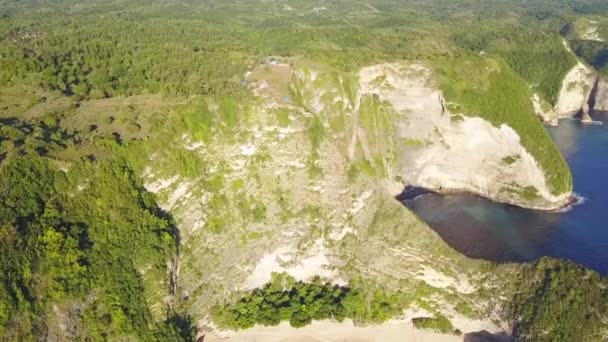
pixel 543 110
pixel 583 92
pixel 447 153
pixel 575 92
pixel 600 96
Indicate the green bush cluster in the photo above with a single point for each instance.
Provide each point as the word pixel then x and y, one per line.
pixel 439 323
pixel 301 302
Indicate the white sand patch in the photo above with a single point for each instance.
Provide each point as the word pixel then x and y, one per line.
pixel 441 280
pixel 180 192
pixel 194 145
pixel 238 164
pixel 360 202
pixel 316 263
pixel 393 188
pixel 147 172
pixel 338 235
pixel 286 131
pixel 317 188
pixel 318 9
pixel 295 163
pixel 326 331
pixel 161 184
pixel 248 149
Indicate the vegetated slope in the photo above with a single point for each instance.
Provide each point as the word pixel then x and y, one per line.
pixel 84 249
pixel 488 88
pixel 536 56
pixel 595 53
pixel 253 187
pixel 549 302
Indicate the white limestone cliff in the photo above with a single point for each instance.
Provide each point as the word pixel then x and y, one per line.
pixel 575 91
pixel 455 153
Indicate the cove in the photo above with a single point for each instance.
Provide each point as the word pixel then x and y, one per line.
pixel 481 228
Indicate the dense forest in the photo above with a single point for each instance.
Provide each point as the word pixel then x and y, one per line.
pixel 84 241
pixel 75 245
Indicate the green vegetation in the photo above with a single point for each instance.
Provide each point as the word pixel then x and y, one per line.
pixel 559 301
pixel 283 117
pixel 486 87
pixel 439 323
pixel 97 57
pixel 94 92
pixel 529 193
pixel 74 243
pixel 538 57
pixel 592 52
pixel 456 118
pixel 508 160
pixel 315 132
pixel 285 299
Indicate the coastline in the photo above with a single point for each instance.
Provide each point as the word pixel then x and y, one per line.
pixel 411 192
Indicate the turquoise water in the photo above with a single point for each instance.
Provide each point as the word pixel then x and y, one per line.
pixel 484 229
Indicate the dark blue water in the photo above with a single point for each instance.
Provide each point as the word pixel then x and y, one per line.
pixel 484 229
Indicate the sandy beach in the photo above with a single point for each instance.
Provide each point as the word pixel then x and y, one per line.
pixel 326 331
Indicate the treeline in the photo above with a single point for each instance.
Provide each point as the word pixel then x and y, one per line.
pixel 301 302
pixel 96 57
pixel 178 53
pixel 83 252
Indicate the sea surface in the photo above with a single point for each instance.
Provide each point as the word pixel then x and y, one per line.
pixel 481 228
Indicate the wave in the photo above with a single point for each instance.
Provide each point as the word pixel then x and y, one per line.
pixel 578 200
pixel 593 122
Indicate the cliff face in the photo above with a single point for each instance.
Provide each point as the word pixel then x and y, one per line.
pixel 575 92
pixel 583 91
pixel 583 94
pixel 306 186
pixel 445 152
pixel 599 100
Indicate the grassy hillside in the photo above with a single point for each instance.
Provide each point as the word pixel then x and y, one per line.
pixel 488 88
